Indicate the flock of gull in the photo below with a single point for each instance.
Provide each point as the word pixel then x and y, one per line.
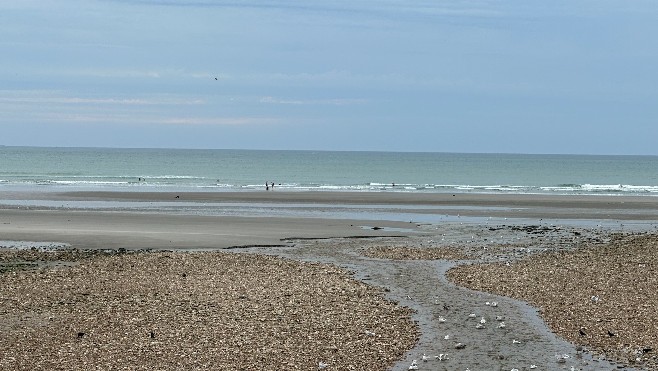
pixel 560 358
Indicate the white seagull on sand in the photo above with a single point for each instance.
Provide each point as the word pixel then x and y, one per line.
pixel 562 358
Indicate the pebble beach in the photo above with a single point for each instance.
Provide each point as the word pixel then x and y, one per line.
pixel 186 311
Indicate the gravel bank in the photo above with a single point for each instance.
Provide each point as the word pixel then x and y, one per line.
pixel 165 310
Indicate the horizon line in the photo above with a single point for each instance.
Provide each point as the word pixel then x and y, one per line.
pixel 327 150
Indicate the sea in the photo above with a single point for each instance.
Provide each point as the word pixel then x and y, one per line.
pixel 61 169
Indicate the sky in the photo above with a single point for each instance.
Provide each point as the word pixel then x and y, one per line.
pixel 504 76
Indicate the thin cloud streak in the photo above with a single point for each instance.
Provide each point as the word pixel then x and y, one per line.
pixel 220 121
pixel 451 8
pixel 131 120
pixel 46 97
pixel 334 102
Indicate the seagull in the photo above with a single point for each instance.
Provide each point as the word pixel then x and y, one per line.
pixel 447 337
pixel 595 299
pixel 501 325
pixel 533 366
pixel 479 326
pixel 499 318
pixel 460 346
pixel 425 358
pixel 321 365
pixel 370 333
pixel 414 365
pixel 442 319
pixel 494 304
pixel 483 321
pixel 472 315
pixel 560 358
pixel 514 341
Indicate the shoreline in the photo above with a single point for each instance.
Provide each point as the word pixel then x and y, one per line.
pixel 356 197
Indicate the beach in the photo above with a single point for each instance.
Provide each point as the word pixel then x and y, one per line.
pixel 399 275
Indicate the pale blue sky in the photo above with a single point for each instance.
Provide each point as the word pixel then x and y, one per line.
pixel 523 76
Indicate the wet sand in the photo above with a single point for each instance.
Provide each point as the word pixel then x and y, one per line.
pixel 490 205
pixel 408 261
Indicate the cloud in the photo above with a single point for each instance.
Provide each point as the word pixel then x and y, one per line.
pixel 120 73
pixel 333 102
pixel 56 97
pixel 383 9
pixel 218 121
pixel 136 120
pixel 49 106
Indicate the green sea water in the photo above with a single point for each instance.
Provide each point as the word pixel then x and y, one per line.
pixel 182 169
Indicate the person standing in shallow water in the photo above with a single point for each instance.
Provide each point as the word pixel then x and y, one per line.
pixel 267 186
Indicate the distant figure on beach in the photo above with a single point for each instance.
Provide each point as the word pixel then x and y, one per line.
pixel 267 186
pixel 272 185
